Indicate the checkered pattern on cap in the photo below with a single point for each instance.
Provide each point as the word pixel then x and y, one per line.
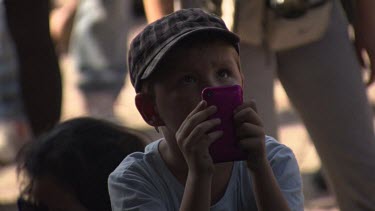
pixel 150 45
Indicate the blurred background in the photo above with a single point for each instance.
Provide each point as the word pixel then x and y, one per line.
pixel 74 103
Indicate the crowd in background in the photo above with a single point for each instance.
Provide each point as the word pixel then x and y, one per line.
pixel 321 71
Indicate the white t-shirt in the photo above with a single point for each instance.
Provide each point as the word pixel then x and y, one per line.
pixel 143 182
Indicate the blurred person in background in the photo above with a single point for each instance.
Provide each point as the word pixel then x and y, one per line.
pixel 12 117
pixel 306 44
pixel 67 168
pixel 30 81
pixel 98 45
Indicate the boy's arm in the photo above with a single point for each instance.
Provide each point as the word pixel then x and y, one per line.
pixel 156 9
pixel 267 191
pixel 193 139
pixel 251 136
pixel 197 194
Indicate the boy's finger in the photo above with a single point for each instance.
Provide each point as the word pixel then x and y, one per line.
pixel 247 130
pixel 250 104
pixel 253 105
pixel 242 106
pixel 248 115
pixel 247 143
pixel 202 129
pixel 200 106
pixel 252 147
pixel 192 121
pixel 213 136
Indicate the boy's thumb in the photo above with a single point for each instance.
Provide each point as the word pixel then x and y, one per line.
pixel 253 105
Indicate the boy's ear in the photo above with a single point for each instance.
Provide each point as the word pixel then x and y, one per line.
pixel 146 106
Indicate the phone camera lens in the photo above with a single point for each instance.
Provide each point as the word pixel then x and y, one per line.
pixel 209 94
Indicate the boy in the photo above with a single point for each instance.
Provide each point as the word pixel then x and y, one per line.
pixel 171 61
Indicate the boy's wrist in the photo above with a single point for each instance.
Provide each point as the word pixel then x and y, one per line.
pixel 257 163
pixel 199 175
pixel 195 175
pixel 197 193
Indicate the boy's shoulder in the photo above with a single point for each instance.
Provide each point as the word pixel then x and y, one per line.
pixel 139 161
pixel 283 163
pixel 275 149
pixel 139 181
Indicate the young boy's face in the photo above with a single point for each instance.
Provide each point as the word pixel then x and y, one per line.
pixel 186 71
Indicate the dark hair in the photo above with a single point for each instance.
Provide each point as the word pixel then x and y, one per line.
pixel 79 154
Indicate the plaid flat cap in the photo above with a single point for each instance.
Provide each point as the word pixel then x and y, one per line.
pixel 150 45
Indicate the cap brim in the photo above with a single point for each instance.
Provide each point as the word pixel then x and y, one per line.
pixel 174 40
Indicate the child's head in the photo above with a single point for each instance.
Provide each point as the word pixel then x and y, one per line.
pixel 151 45
pixel 68 167
pixel 173 59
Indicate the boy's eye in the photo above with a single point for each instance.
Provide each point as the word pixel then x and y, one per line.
pixel 223 73
pixel 188 79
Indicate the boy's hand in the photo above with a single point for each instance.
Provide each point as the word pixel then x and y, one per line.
pixel 250 134
pixel 194 140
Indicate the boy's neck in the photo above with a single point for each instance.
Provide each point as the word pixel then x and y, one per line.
pixel 175 162
pixel 174 159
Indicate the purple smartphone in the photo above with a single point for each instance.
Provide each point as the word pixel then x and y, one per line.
pixel 226 98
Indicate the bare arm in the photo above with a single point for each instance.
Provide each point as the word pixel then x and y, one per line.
pixel 193 138
pixel 156 9
pixel 39 69
pixel 267 191
pixel 197 194
pixel 61 19
pixel 364 26
pixel 252 139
